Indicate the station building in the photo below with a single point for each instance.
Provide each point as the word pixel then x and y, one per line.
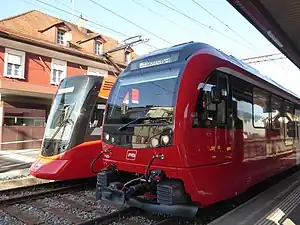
pixel 36 52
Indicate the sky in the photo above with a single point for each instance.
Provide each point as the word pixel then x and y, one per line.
pixel 214 22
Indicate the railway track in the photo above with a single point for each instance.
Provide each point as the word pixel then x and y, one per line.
pixel 131 216
pixel 21 194
pixel 67 203
pixel 74 203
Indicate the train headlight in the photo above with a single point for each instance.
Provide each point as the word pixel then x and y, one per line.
pixel 106 136
pixel 154 142
pixel 165 139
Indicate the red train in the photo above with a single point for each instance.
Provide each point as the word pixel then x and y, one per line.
pixel 72 135
pixel 188 126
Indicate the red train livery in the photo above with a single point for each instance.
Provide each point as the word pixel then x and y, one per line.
pixel 188 126
pixel 72 135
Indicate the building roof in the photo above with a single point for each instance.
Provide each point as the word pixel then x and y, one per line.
pixel 277 20
pixel 34 22
pixel 32 25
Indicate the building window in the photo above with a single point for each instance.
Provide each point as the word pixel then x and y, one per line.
pixel 58 71
pixel 14 116
pixel 97 72
pixel 14 63
pixel 98 48
pixel 19 120
pixel 60 37
pixel 128 57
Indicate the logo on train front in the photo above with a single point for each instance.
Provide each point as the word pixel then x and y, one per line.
pixel 131 154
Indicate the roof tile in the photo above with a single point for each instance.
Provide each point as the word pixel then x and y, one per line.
pixel 31 23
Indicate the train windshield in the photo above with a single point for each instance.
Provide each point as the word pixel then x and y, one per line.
pixel 141 103
pixel 145 95
pixel 64 112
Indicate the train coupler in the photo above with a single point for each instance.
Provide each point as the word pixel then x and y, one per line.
pixel 112 194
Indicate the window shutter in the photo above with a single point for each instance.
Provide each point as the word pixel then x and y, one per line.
pixel 59 65
pixel 97 72
pixel 14 59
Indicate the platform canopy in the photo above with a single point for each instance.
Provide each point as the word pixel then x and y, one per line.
pixel 277 20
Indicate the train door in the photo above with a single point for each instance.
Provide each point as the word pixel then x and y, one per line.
pixel 213 106
pixel 211 114
pixel 241 117
pixel 223 138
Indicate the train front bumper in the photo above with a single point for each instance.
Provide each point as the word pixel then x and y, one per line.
pixel 48 169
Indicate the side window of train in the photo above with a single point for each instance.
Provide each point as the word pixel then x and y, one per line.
pixel 97 116
pixel 289 124
pixel 212 104
pixel 297 121
pixel 241 103
pixel 261 115
pixel 276 112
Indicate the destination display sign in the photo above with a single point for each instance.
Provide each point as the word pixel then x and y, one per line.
pixel 65 90
pixel 155 61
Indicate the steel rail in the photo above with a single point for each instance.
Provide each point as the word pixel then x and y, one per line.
pixel 19 197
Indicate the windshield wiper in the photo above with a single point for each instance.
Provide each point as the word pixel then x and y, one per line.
pixel 140 119
pixel 62 124
pixel 135 121
pixel 56 132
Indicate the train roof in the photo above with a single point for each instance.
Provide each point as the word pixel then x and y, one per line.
pixel 181 52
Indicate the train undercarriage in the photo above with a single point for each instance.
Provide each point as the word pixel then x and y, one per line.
pixel 154 192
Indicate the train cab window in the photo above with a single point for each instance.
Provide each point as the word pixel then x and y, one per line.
pixel 97 115
pixel 260 108
pixel 222 85
pixel 212 104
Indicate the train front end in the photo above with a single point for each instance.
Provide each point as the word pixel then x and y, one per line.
pixel 72 134
pixel 141 153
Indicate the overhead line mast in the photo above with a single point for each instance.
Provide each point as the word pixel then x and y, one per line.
pixel 127 44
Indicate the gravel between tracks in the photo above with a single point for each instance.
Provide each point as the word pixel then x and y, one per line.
pixel 78 204
pixel 54 203
pixel 6 219
pixel 46 217
pixel 81 196
pixel 139 220
pixel 28 190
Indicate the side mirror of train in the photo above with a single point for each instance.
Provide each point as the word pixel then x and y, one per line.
pixel 215 95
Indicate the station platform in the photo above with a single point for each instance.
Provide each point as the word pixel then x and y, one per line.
pixel 15 163
pixel 278 205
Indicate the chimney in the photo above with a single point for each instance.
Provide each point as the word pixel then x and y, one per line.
pixel 68 38
pixel 80 22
